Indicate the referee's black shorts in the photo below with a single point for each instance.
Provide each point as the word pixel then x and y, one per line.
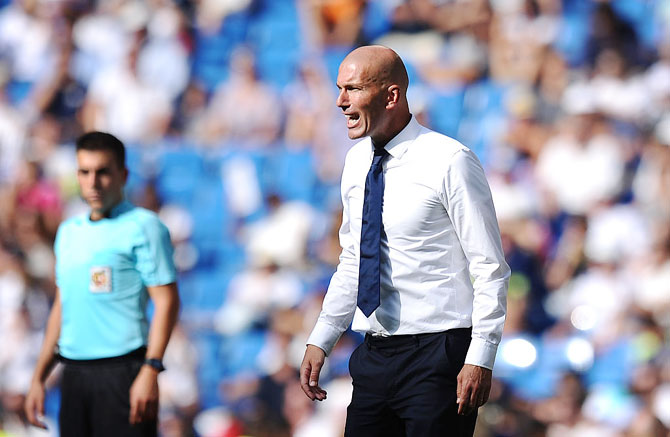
pixel 95 397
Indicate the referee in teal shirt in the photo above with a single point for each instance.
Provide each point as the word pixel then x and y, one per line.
pixel 109 263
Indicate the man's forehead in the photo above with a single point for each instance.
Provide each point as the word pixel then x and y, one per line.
pixel 352 71
pixel 95 158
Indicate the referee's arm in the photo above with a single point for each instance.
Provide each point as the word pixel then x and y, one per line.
pixel 34 404
pixel 144 391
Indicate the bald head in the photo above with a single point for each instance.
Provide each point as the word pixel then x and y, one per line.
pixel 381 63
pixel 373 93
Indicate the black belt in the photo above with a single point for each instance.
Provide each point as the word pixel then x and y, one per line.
pixel 137 354
pixel 398 341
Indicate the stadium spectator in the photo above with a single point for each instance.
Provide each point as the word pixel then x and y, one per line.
pixel 253 109
pixel 119 100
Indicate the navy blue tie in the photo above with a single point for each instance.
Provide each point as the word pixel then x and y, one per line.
pixel 371 231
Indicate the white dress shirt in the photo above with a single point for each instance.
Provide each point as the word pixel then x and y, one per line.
pixel 440 229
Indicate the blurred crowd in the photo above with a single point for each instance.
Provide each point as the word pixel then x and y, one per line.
pixel 227 109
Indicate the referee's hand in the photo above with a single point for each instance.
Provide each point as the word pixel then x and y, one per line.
pixel 34 404
pixel 309 372
pixel 144 396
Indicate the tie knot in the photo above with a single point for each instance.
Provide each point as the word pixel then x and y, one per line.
pixel 379 156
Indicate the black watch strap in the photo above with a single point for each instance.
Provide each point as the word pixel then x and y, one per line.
pixel 155 363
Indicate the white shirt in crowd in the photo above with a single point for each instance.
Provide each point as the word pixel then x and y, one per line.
pixel 440 229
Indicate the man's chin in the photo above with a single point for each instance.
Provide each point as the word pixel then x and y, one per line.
pixel 95 206
pixel 98 208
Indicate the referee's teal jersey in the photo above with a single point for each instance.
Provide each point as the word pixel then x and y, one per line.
pixel 103 269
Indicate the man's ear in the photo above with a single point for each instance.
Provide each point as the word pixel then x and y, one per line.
pixel 392 96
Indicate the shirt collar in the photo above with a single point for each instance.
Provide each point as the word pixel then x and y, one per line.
pixel 399 144
pixel 120 208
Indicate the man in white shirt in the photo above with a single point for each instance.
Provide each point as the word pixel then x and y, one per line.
pixel 432 335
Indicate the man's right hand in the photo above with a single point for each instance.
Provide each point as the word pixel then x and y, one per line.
pixel 310 370
pixel 34 404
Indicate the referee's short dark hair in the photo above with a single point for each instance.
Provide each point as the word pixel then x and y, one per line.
pixel 103 141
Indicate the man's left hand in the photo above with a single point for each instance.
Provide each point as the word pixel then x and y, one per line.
pixel 474 386
pixel 144 396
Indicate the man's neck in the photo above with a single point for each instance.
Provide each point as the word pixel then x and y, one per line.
pixel 395 127
pixel 106 213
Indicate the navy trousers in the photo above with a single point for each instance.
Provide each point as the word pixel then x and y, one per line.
pixel 405 386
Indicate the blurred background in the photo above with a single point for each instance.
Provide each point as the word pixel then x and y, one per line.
pixel 227 109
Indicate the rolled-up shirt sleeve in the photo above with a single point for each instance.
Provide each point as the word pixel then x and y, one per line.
pixel 467 198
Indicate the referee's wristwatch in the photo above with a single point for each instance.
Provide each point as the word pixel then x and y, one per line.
pixel 155 363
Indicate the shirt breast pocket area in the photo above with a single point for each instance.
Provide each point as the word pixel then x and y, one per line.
pixel 410 210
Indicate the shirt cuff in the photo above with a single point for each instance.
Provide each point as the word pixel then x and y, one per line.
pixel 481 353
pixel 324 336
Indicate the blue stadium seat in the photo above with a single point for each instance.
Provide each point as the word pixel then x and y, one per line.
pixel 278 26
pixel 332 57
pixel 52 403
pixel 187 283
pixel 275 35
pixel 444 111
pixel 138 172
pixel 135 160
pixel 376 21
pixel 483 117
pixel 211 216
pixel 238 353
pixel 17 91
pixel 573 34
pixel 178 175
pixel 210 288
pixel 212 51
pixel 277 66
pixel 642 15
pixel 293 176
pixel 613 365
pixel 209 371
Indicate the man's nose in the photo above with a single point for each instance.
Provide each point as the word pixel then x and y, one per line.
pixel 342 100
pixel 95 181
